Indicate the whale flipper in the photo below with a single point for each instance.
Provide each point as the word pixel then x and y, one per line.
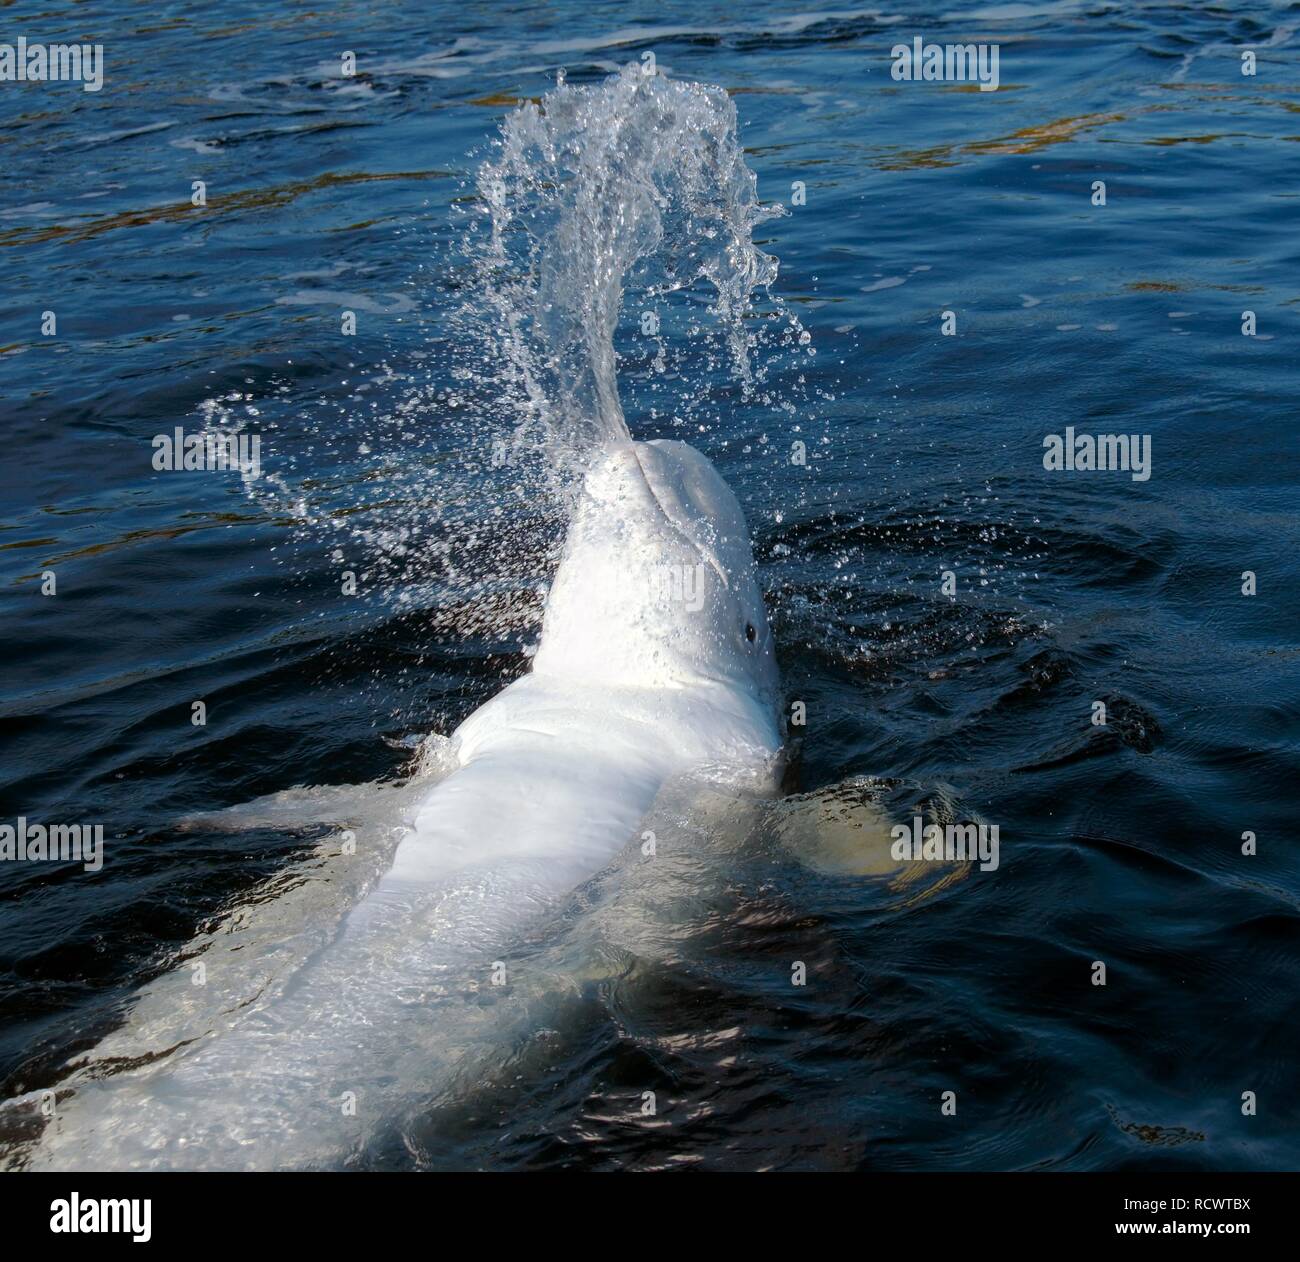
pixel 314 805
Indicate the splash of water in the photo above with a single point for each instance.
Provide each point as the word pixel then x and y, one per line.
pixel 637 180
pixel 441 477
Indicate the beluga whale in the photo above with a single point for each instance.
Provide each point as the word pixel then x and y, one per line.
pixel 655 663
pixel 656 658
pixel 655 667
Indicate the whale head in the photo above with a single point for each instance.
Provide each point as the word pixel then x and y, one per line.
pixel 656 587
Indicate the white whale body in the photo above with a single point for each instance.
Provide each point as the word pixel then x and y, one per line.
pixel 655 664
pixel 630 684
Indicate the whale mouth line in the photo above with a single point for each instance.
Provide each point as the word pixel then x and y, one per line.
pixel 676 527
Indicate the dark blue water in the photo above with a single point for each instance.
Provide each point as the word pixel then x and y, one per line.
pixel 1120 843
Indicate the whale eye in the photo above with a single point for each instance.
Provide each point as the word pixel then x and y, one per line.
pixel 750 633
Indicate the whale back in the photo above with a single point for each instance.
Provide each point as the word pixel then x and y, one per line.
pixel 657 587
